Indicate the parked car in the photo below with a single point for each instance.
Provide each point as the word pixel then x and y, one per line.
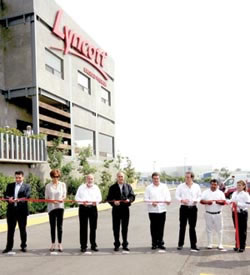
pixel 230 184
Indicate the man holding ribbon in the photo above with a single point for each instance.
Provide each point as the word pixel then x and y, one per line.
pixel 17 210
pixel 120 197
pixel 88 196
pixel 213 199
pixel 157 197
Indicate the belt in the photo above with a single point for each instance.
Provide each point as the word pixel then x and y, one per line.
pixel 88 206
pixel 188 206
pixel 213 213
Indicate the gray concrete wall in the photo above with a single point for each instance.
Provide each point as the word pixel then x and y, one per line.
pixel 68 87
pixel 16 7
pixel 17 57
pixel 41 170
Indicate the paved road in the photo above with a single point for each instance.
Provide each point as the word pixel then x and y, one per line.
pixel 141 260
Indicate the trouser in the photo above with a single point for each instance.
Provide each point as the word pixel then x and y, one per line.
pixel 88 213
pixel 214 222
pixel 120 216
pixel 56 220
pixel 242 222
pixel 188 214
pixel 12 219
pixel 157 223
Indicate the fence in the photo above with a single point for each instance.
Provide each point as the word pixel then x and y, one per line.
pixel 22 149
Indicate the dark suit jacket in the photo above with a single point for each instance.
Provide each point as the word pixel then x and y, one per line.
pixel 22 206
pixel 115 194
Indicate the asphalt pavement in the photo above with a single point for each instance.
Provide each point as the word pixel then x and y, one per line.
pixel 140 260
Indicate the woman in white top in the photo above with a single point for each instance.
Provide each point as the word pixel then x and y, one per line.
pixel 56 190
pixel 241 198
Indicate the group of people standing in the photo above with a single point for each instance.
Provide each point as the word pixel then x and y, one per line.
pixel 120 197
pixel 88 196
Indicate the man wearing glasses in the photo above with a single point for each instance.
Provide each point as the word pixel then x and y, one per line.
pixel 188 194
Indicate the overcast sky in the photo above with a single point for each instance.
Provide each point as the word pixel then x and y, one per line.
pixel 182 78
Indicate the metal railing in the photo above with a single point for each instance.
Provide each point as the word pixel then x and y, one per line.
pixel 22 149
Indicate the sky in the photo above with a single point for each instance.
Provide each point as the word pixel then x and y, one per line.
pixel 182 78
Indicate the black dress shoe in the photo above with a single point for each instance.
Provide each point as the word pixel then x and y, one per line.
pixel 179 247
pixel 162 247
pixel 116 249
pixel 236 249
pixel 241 250
pixel 83 250
pixel 154 247
pixel 6 250
pixel 126 249
pixel 94 249
pixel 23 249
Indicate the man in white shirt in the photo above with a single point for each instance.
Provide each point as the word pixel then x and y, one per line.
pixel 213 199
pixel 188 194
pixel 88 196
pixel 157 196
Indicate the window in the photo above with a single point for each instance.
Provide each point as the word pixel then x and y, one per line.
pixel 84 82
pixel 84 138
pixel 53 64
pixel 106 145
pixel 105 96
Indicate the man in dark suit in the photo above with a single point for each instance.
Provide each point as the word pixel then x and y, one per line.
pixel 120 197
pixel 17 210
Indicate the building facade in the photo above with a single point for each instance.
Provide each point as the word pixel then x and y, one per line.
pixel 55 77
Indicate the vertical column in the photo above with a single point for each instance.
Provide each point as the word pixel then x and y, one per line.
pixel 35 114
pixel 71 108
pixel 7 146
pixel 12 147
pixel 35 98
pixel 17 138
pixel 21 148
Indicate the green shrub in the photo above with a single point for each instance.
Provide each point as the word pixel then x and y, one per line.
pixel 4 180
pixel 37 191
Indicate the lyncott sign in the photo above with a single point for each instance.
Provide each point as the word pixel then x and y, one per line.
pixel 77 45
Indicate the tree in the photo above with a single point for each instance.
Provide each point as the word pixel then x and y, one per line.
pixel 55 160
pixel 224 173
pixel 85 167
pixel 129 172
pixel 55 155
pixel 106 179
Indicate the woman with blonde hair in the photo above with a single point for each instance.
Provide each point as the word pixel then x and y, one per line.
pixel 242 200
pixel 56 190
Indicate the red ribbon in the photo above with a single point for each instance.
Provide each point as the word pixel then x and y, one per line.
pixel 59 201
pixel 236 221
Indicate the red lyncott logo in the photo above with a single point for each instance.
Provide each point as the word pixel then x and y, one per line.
pixel 76 45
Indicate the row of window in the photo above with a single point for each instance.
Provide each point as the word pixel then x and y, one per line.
pixel 54 65
pixel 84 137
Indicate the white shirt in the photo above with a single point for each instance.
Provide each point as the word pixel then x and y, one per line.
pixel 211 196
pixel 17 188
pixel 157 193
pixel 121 186
pixel 192 193
pixel 241 198
pixel 58 193
pixel 89 194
